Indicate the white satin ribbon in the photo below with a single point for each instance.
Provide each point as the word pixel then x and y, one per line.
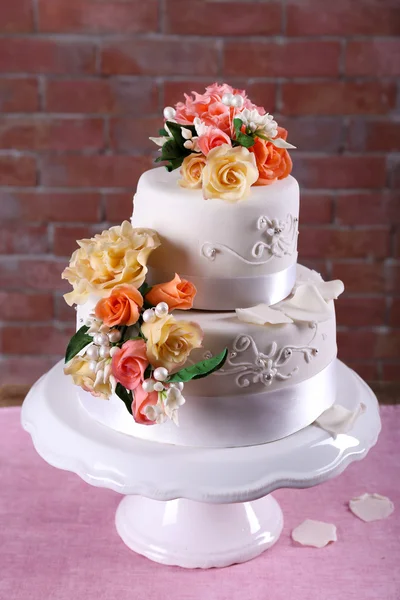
pixel 228 293
pixel 229 421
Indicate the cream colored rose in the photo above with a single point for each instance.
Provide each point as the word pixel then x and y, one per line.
pixel 98 384
pixel 169 342
pixel 229 173
pixel 116 256
pixel 191 171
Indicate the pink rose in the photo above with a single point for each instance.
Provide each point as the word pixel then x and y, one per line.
pixel 213 138
pixel 141 400
pixel 129 363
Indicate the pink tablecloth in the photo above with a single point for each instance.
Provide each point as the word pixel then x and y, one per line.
pixel 58 542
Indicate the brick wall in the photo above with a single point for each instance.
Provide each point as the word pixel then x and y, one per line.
pixel 82 85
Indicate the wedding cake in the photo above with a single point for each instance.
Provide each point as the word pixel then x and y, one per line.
pixel 197 307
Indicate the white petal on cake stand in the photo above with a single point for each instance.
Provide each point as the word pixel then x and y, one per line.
pixel 306 304
pixel 338 419
pixel 186 506
pixel 371 507
pixel 314 533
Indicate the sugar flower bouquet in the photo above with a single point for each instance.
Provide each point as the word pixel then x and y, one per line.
pixel 131 344
pixel 223 143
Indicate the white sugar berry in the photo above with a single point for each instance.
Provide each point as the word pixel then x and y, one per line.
pixel 161 309
pixel 148 385
pixel 92 352
pixel 149 315
pixel 160 374
pixel 114 336
pixel 158 386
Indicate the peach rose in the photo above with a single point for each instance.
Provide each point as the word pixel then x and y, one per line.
pixel 213 138
pixel 229 173
pixel 116 256
pixel 273 163
pixel 121 307
pixel 141 401
pixel 129 363
pixel 87 379
pixel 177 293
pixel 169 342
pixel 192 171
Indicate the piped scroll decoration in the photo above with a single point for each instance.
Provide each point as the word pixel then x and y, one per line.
pixel 281 240
pixel 264 367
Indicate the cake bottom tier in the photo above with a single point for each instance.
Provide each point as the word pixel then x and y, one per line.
pixel 228 421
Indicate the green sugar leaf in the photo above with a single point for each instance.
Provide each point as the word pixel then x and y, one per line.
pixel 78 341
pixel 201 369
pixel 125 395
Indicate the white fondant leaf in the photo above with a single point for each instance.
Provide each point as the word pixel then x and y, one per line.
pixel 281 143
pixel 330 290
pixel 371 507
pixel 306 304
pixel 314 533
pixel 338 419
pixel 262 314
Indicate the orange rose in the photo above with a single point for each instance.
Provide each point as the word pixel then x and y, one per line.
pixel 129 364
pixel 177 293
pixel 141 402
pixel 121 307
pixel 273 163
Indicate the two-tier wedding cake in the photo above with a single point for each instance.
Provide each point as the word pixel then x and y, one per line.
pixel 197 307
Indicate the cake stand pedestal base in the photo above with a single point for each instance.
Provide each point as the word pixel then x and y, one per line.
pixel 198 535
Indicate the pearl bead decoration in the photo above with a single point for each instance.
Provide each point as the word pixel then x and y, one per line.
pixel 148 385
pixel 101 339
pixel 158 386
pixel 114 336
pixel 237 101
pixel 160 374
pixel 227 99
pixel 169 112
pixel 104 352
pixel 92 352
pixel 161 309
pixel 149 315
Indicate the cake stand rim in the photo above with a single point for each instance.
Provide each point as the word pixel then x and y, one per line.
pixel 112 477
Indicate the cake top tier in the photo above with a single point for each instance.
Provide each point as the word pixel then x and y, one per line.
pixel 223 143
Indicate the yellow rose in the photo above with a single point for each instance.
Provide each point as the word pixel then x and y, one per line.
pixel 97 384
pixel 116 256
pixel 169 342
pixel 229 173
pixel 191 171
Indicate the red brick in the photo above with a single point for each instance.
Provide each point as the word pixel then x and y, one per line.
pixel 340 171
pixel 374 208
pixel 388 344
pixel 65 238
pixel 18 95
pixel 119 207
pixel 93 16
pixel 48 206
pixel 314 133
pixel 64 312
pixel 35 339
pixel 17 170
pixel 394 170
pixel 371 17
pixel 21 306
pixel 139 96
pixel 23 239
pixel 16 16
pixel 391 371
pixel 222 18
pixel 356 344
pixel 43 133
pixel 32 274
pixel 35 55
pixel 367 370
pixel 373 57
pixel 359 277
pixel 379 135
pixel 133 133
pixel 160 57
pixel 24 369
pixel 315 208
pixel 394 319
pixel 350 243
pixel 290 59
pixel 94 171
pixel 360 312
pixel 338 97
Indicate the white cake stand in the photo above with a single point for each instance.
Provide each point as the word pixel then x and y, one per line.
pixel 193 507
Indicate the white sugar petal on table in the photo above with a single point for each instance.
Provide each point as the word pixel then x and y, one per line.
pixel 306 304
pixel 338 419
pixel 314 533
pixel 371 507
pixel 262 314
